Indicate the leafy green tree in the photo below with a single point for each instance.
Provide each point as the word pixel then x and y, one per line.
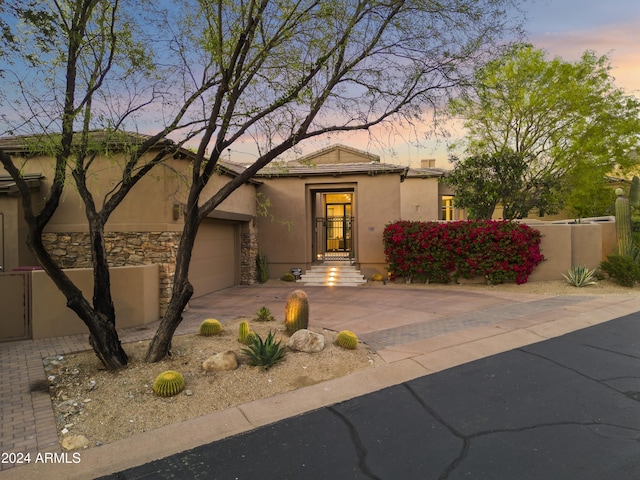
pixel 216 72
pixel 567 118
pixel 482 182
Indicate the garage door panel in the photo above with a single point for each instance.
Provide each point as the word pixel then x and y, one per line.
pixel 214 259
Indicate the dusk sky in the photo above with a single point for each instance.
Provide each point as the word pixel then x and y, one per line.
pixel 564 28
pixel 567 28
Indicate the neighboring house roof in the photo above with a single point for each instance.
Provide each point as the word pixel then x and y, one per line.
pixel 8 185
pixel 430 172
pixel 34 144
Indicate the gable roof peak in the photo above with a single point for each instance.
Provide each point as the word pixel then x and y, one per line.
pixel 338 154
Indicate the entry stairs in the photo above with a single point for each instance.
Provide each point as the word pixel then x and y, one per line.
pixel 332 274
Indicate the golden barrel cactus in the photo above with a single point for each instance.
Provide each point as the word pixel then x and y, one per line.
pixel 210 327
pixel 347 339
pixel 168 384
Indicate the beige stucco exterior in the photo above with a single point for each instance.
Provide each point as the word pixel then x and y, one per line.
pixel 135 297
pixel 287 232
pixel 145 228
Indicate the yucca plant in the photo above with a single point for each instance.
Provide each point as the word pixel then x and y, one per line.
pixel 264 315
pixel 264 353
pixel 580 276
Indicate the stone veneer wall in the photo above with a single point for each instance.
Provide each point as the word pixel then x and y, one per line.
pixel 248 258
pixel 71 250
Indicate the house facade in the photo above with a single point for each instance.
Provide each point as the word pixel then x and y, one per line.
pixel 333 205
pixel 145 229
pixel 330 206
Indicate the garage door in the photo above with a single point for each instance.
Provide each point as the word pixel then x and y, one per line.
pixel 214 262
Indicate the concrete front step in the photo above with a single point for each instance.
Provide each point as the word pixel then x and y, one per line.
pixel 332 275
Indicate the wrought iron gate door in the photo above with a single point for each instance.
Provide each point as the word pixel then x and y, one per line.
pixel 334 239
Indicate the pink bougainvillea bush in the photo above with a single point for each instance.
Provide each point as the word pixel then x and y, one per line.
pixel 500 251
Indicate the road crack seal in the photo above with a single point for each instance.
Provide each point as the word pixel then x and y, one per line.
pixel 361 450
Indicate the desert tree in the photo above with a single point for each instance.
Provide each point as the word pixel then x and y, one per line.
pixel 568 119
pixel 285 72
pixel 77 66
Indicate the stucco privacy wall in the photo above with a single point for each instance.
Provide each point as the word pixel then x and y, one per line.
pixel 135 297
pixel 566 245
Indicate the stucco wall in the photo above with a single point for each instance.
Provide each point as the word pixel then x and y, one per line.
pixel 15 252
pixel 564 245
pixel 135 297
pixel 420 199
pixel 287 230
pixel 284 230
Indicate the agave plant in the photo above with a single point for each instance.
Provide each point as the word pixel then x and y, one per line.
pixel 580 276
pixel 264 353
pixel 264 315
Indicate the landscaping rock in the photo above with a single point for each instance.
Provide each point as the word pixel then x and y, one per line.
pixel 221 361
pixel 74 442
pixel 306 341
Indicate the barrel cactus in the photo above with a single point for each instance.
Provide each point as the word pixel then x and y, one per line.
pixel 168 384
pixel 347 339
pixel 296 312
pixel 210 327
pixel 623 223
pixel 243 331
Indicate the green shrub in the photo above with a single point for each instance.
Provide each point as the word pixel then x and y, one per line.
pixel 264 315
pixel 265 353
pixel 168 383
pixel 580 276
pixel 621 269
pixel 288 277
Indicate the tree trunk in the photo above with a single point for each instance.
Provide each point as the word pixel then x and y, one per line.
pixel 106 344
pixel 160 346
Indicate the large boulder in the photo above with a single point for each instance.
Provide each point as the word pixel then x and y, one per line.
pixel 221 361
pixel 306 341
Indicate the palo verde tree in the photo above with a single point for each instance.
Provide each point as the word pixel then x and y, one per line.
pixel 283 72
pixel 566 118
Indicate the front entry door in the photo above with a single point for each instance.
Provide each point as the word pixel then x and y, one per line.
pixel 336 228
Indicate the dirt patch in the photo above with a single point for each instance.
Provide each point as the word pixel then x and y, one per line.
pixel 108 406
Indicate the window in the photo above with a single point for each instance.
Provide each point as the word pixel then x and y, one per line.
pixel 447 208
